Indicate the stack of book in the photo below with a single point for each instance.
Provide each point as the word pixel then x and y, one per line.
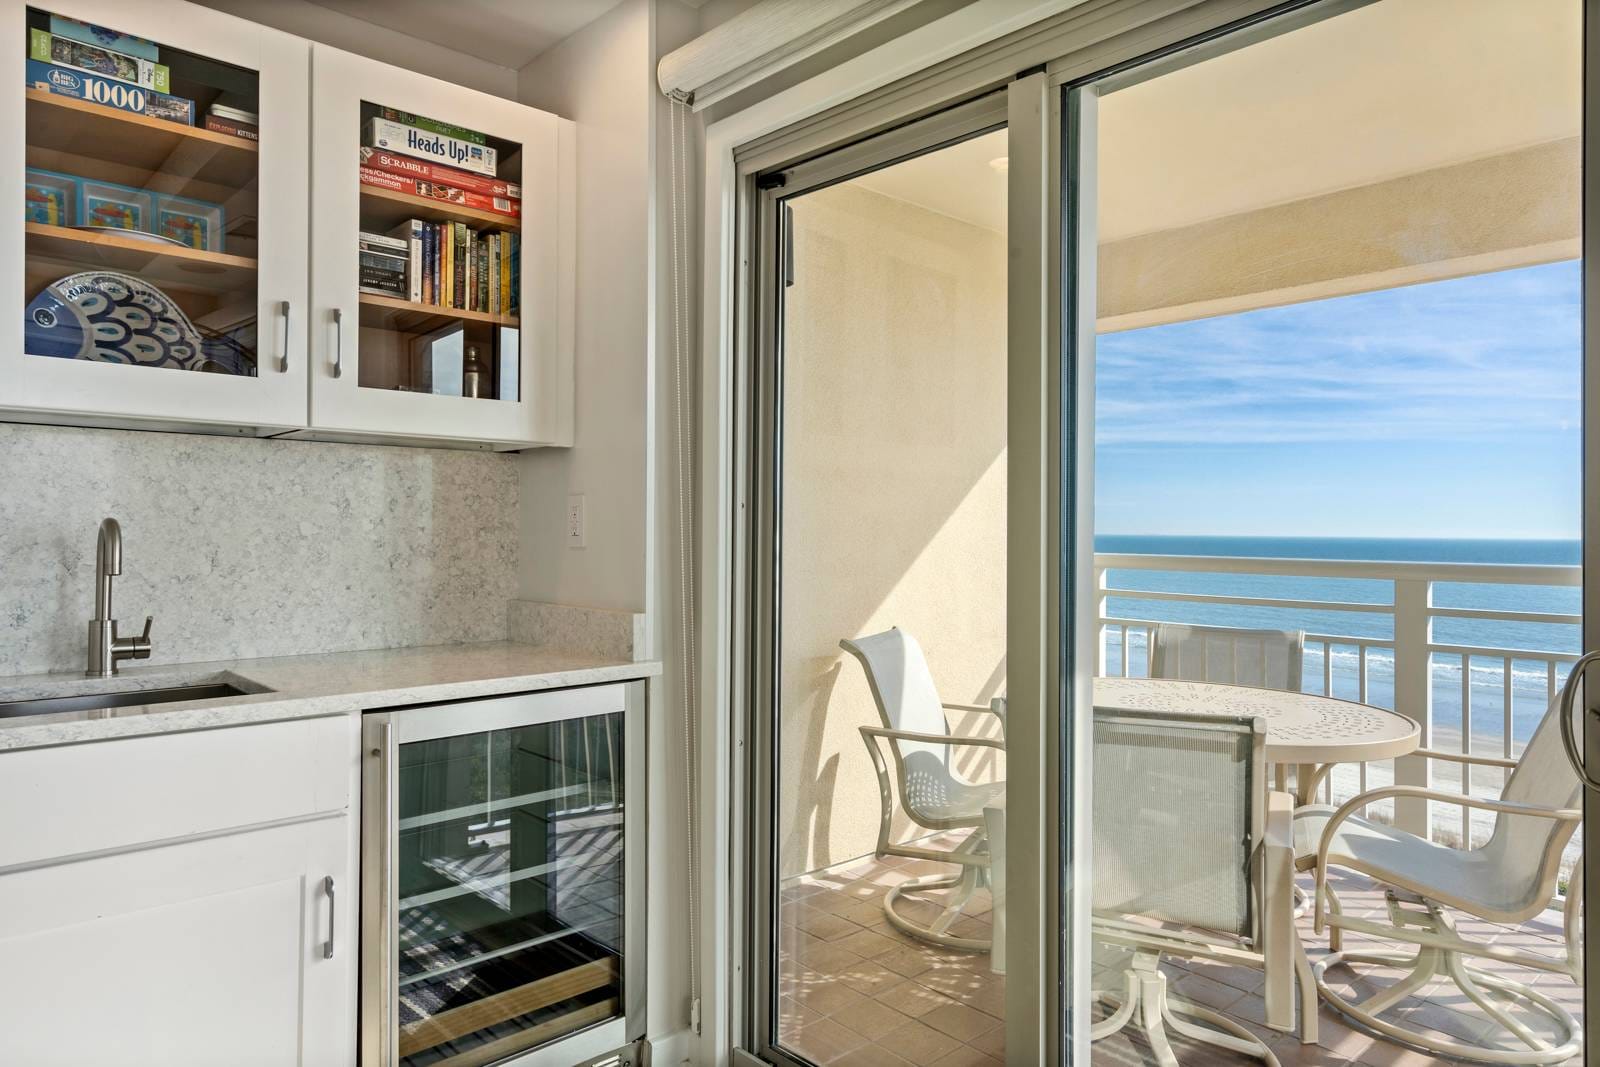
pixel 447 264
pixel 384 266
pixel 86 62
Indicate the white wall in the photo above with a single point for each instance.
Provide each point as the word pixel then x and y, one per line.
pixel 364 38
pixel 603 77
pixel 600 78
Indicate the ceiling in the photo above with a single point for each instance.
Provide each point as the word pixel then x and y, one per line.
pixel 1395 87
pixel 964 181
pixel 507 33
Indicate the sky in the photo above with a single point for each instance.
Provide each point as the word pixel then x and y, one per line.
pixel 1449 409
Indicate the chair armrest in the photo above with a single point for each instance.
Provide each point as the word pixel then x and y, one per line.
pixel 996 707
pixel 1462 757
pixel 880 768
pixel 933 739
pixel 1357 803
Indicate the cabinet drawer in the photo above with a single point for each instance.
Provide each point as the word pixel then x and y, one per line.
pixel 112 794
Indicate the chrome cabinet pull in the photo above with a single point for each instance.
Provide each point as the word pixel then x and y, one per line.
pixel 327 886
pixel 283 309
pixel 338 343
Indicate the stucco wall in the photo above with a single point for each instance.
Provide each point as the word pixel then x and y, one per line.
pixel 893 490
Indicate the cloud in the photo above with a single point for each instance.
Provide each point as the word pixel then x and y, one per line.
pixel 1494 356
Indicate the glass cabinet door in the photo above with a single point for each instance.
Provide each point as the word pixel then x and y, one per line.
pixel 438 269
pixel 148 285
pixel 508 872
pixel 140 202
pixel 439 257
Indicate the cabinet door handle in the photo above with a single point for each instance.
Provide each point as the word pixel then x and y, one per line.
pixel 283 309
pixel 338 343
pixel 327 886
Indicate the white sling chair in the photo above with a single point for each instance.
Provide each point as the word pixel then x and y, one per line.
pixel 931 792
pixel 1266 659
pixel 1508 879
pixel 1193 857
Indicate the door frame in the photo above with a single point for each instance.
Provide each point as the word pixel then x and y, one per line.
pixel 1591 495
pixel 759 456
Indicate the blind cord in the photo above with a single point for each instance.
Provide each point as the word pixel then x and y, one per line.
pixel 683 427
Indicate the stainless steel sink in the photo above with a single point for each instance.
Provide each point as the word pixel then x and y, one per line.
pixel 125 699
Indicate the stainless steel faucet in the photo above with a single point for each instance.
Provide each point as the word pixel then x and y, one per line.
pixel 106 649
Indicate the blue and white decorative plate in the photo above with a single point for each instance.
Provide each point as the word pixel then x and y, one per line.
pixel 111 317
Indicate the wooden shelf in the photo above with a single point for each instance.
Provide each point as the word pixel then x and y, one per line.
pixel 151 260
pixel 392 313
pixel 453 1023
pixel 383 208
pixel 62 126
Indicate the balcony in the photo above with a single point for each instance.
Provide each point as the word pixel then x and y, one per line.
pixel 1425 639
pixel 1413 637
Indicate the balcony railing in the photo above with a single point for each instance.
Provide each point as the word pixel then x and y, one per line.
pixel 1473 652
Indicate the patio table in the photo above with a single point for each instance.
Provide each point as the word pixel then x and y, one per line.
pixel 1308 732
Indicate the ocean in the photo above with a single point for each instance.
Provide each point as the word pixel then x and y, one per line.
pixel 1529 681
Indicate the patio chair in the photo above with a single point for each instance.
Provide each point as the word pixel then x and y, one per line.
pixel 1510 878
pixel 1193 857
pixel 1267 659
pixel 931 792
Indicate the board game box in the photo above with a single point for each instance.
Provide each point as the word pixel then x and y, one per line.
pixel 435 172
pixel 79 85
pixel 95 59
pixel 433 191
pixel 436 147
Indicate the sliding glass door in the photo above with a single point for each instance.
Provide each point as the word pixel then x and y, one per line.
pixel 1164 484
pixel 879 410
pixel 1328 286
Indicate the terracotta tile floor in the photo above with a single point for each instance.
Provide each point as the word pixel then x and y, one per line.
pixel 854 991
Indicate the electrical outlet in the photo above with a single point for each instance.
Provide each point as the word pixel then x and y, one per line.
pixel 575 521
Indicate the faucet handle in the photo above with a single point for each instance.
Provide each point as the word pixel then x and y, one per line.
pixel 132 647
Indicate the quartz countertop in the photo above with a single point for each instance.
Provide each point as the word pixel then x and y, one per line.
pixel 296 687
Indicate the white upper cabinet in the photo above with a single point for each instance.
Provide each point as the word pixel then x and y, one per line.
pixel 442 259
pixel 156 250
pixel 213 237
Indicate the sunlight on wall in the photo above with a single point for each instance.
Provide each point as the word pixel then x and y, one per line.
pixel 894 487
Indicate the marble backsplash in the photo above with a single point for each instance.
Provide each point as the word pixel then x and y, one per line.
pixel 616 634
pixel 243 548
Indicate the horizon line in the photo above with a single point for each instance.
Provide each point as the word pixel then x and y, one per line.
pixel 1350 537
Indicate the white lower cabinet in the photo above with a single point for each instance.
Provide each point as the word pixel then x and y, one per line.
pixel 185 917
pixel 201 953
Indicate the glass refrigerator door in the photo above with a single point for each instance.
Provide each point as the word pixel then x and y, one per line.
pixel 508 869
